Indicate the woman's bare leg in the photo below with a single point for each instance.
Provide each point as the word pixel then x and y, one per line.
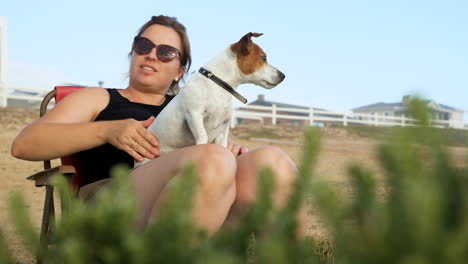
pixel 284 176
pixel 215 166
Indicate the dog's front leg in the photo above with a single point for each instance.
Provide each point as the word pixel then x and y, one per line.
pixel 222 138
pixel 196 126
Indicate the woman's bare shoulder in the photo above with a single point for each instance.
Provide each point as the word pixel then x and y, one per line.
pixel 92 91
pixel 79 106
pixel 87 95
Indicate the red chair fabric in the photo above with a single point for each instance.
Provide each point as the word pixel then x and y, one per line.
pixel 61 92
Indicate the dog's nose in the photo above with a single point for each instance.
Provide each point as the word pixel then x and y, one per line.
pixel 281 76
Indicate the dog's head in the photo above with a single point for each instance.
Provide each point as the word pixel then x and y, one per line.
pixel 252 61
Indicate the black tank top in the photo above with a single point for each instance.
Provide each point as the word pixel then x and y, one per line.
pixel 97 163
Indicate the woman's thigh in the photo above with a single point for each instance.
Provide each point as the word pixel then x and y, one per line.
pixel 150 178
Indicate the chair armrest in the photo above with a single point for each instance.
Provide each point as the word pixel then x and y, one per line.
pixel 43 178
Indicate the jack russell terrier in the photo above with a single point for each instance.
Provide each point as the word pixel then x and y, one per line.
pixel 202 110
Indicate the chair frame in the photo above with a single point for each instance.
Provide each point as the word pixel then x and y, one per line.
pixel 44 177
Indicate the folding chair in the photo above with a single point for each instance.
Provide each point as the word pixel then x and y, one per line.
pixel 70 167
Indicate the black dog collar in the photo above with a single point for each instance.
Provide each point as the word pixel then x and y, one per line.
pixel 222 83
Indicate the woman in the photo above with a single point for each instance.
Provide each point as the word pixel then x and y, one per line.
pixel 110 128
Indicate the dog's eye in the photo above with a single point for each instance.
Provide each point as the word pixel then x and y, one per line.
pixel 264 58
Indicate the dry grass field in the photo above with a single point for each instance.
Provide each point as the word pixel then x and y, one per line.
pixel 340 148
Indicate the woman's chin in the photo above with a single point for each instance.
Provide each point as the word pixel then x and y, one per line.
pixel 144 81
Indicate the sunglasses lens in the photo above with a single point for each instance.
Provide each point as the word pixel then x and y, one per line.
pixel 166 53
pixel 143 46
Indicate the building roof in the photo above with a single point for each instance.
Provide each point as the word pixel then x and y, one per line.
pixel 379 105
pixel 262 102
pixel 399 106
pixel 449 107
pixel 24 92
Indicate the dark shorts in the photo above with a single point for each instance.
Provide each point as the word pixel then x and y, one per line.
pixel 88 192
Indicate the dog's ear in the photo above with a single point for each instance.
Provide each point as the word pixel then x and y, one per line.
pixel 245 44
pixel 249 36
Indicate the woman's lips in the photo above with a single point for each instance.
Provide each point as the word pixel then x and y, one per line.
pixel 148 68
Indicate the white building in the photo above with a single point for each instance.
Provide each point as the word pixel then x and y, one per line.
pixel 452 116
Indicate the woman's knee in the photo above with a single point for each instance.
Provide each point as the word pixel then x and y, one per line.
pixel 216 167
pixel 283 167
pixel 272 156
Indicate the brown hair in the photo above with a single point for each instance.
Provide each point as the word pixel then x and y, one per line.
pixel 185 58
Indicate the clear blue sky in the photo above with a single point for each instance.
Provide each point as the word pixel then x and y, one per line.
pixel 336 55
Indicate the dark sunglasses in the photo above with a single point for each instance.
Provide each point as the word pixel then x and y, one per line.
pixel 165 53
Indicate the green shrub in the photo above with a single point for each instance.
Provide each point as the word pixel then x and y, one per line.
pixel 424 217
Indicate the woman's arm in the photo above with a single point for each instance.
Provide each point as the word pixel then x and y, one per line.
pixel 63 130
pixel 42 141
pixel 67 129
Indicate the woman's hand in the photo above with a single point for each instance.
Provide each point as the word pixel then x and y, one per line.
pixel 133 137
pixel 236 149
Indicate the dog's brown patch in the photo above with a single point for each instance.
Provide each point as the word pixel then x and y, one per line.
pixel 250 57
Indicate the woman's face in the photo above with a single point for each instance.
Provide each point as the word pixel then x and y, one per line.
pixel 147 71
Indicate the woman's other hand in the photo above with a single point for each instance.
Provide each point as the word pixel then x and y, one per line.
pixel 236 149
pixel 133 137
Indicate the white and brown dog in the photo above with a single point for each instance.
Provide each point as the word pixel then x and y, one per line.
pixel 202 111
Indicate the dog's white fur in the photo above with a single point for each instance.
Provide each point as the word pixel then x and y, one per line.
pixel 202 110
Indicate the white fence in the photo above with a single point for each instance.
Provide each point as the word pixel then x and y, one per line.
pixel 275 114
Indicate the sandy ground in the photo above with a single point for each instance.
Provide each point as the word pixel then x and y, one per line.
pixel 339 150
pixel 13 173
